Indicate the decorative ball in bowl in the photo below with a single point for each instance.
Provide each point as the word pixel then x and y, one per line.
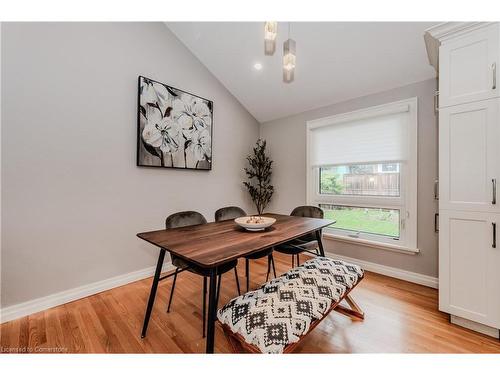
pixel 255 223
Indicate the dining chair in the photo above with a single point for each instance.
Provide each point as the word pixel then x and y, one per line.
pixel 188 218
pixel 232 212
pixel 310 242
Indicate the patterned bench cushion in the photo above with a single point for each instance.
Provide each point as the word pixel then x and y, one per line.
pixel 283 309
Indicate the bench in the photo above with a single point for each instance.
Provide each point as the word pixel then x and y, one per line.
pixel 276 317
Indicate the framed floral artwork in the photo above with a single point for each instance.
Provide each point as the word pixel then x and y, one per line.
pixel 174 127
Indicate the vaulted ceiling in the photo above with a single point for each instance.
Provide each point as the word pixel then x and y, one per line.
pixel 336 61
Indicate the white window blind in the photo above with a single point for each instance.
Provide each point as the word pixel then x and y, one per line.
pixel 383 137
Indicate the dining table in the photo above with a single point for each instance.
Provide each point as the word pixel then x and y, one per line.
pixel 213 244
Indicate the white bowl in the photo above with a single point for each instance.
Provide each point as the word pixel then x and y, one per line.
pixel 255 227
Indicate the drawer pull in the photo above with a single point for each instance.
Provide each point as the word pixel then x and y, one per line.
pixel 494 70
pixel 494 191
pixel 494 243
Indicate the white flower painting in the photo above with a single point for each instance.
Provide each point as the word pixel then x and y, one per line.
pixel 175 127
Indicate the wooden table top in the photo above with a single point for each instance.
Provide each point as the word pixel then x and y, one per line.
pixel 211 244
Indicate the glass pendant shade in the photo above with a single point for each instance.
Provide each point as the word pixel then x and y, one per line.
pixel 270 32
pixel 289 60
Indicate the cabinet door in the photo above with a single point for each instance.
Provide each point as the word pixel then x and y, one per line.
pixel 469 281
pixel 468 67
pixel 469 141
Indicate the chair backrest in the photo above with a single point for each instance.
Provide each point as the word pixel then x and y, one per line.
pixel 184 219
pixel 227 213
pixel 308 211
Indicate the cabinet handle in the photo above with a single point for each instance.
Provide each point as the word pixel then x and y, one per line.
pixel 436 227
pixel 436 101
pixel 494 70
pixel 494 244
pixel 494 190
pixel 436 189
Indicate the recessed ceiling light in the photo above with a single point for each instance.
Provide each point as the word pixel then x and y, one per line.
pixel 257 66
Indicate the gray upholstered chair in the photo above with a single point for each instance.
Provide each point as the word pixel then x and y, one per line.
pixel 232 212
pixel 308 243
pixel 229 213
pixel 187 218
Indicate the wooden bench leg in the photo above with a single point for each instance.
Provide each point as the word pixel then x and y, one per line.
pixel 237 346
pixel 354 312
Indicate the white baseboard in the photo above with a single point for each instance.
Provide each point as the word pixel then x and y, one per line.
pixel 478 327
pixel 30 307
pixel 397 273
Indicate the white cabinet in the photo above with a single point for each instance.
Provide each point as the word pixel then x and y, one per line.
pixel 469 168
pixel 468 66
pixel 469 150
pixel 469 264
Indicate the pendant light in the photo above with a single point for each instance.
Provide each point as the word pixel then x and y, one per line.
pixel 289 59
pixel 270 32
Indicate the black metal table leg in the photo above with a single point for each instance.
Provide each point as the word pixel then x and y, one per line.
pixel 204 304
pixel 212 310
pixel 268 266
pixel 247 273
pixel 152 293
pixel 173 288
pixel 274 269
pixel 237 280
pixel 320 243
pixel 218 292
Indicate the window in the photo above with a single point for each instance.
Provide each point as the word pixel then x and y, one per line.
pixel 360 179
pixel 362 171
pixel 379 221
pixel 389 167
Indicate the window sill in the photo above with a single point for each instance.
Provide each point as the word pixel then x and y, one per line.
pixel 373 244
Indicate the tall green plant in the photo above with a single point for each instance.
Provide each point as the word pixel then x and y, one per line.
pixel 259 176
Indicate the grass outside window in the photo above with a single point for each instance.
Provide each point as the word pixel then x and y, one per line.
pixel 379 221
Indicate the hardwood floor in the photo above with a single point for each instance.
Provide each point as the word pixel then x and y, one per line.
pixel 400 317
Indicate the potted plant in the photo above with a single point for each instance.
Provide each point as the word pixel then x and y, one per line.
pixel 259 177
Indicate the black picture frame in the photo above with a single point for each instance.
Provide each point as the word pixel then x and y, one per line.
pixel 143 147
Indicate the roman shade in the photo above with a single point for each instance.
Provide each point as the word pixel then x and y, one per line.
pixel 360 138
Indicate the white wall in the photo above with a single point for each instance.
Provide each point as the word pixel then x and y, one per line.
pixel 72 197
pixel 286 139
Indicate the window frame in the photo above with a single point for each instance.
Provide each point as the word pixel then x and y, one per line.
pixel 406 202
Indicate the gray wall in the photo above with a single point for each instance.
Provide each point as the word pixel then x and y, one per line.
pixel 287 143
pixel 72 197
